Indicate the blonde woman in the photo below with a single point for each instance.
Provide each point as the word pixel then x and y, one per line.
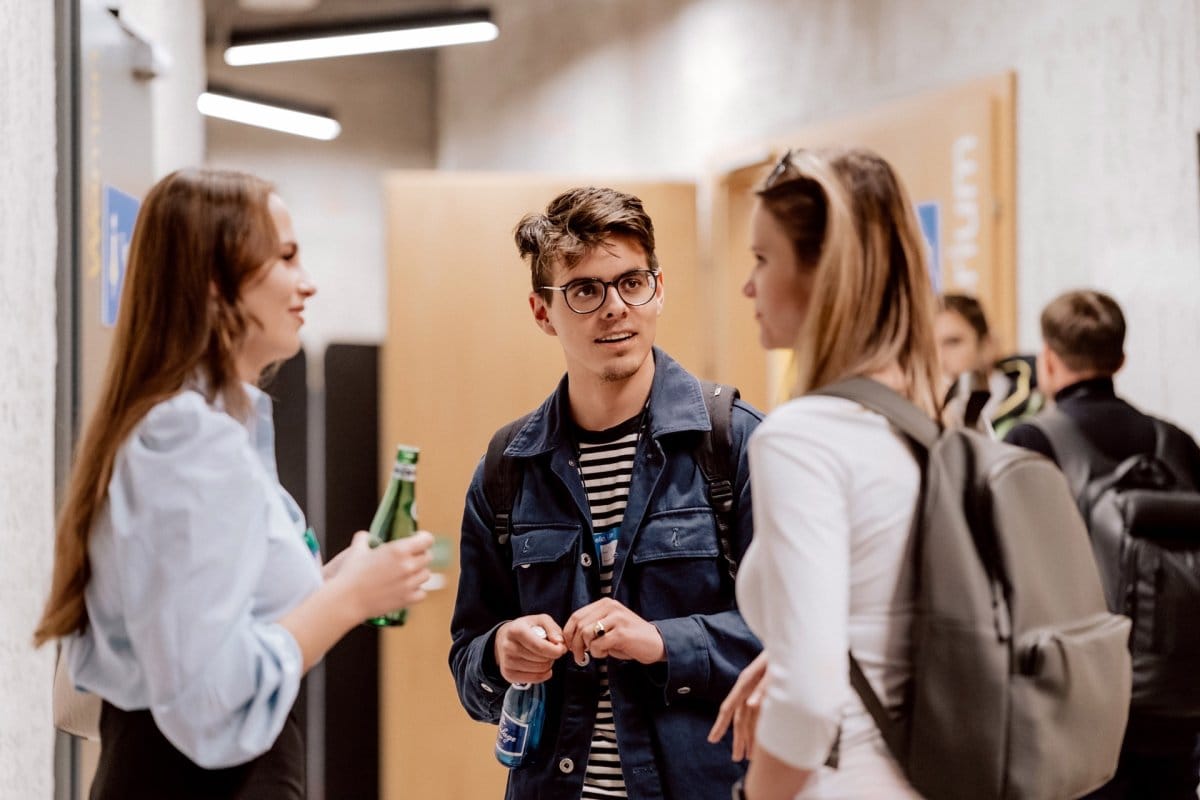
pixel 840 277
pixel 184 588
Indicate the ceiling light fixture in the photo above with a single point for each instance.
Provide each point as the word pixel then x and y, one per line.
pixel 284 116
pixel 325 40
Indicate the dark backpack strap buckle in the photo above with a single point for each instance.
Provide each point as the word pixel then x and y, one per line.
pixel 502 529
pixel 720 494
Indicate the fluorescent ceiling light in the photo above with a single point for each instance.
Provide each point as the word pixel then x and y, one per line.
pixel 359 38
pixel 268 114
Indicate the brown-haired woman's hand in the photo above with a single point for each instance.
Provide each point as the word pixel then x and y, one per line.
pixel 741 708
pixel 384 578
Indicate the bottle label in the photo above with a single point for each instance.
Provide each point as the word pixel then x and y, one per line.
pixel 513 737
pixel 405 472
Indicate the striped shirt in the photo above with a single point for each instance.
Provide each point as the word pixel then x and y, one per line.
pixel 606 465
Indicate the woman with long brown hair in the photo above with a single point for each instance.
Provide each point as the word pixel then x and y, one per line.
pixel 840 277
pixel 183 587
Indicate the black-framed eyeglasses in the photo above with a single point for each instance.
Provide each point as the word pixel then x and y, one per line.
pixel 585 295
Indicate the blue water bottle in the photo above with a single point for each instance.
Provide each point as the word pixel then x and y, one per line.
pixel 521 719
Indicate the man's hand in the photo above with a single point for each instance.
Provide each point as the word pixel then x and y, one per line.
pixel 607 628
pixel 522 655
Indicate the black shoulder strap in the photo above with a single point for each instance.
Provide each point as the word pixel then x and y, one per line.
pixel 895 735
pixel 1168 448
pixel 1077 457
pixel 502 479
pixel 714 457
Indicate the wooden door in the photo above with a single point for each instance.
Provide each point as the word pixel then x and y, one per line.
pixel 461 358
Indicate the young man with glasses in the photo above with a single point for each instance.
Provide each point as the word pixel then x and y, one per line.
pixel 609 544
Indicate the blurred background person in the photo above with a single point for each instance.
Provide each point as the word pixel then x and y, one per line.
pixel 978 386
pixel 1112 452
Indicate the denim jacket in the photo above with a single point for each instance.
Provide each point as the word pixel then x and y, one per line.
pixel 668 570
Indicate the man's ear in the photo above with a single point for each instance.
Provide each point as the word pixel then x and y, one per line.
pixel 1048 369
pixel 541 313
pixel 661 291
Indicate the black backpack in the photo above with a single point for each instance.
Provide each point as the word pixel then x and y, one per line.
pixel 1020 684
pixel 1143 516
pixel 713 453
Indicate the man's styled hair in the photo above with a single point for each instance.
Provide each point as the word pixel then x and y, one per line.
pixel 969 309
pixel 1086 329
pixel 577 222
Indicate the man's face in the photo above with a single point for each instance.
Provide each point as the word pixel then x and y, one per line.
pixel 613 342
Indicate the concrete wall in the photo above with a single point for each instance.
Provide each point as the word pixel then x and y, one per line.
pixel 1108 112
pixel 27 356
pixel 333 189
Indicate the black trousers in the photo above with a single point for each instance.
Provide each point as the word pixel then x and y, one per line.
pixel 138 763
pixel 1160 760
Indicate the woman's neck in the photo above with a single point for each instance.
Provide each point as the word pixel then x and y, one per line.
pixel 892 377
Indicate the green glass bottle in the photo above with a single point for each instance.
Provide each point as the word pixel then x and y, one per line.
pixel 396 516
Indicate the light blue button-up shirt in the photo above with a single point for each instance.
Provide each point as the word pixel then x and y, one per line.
pixel 195 555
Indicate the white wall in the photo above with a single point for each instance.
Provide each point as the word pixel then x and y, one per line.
pixel 333 189
pixel 1108 112
pixel 27 355
pixel 177 29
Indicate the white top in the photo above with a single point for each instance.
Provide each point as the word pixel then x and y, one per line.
pixel 195 554
pixel 835 490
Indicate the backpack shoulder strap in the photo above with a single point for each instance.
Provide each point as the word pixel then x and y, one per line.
pixel 911 421
pixel 714 457
pixel 923 432
pixel 895 735
pixel 1168 449
pixel 1077 457
pixel 502 479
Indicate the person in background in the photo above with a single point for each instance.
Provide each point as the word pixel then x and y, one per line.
pixel 835 242
pixel 614 551
pixel 969 364
pixel 1083 347
pixel 186 587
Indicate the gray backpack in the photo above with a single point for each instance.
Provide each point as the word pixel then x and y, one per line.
pixel 1021 675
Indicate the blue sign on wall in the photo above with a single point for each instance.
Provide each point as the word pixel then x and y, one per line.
pixel 119 210
pixel 930 217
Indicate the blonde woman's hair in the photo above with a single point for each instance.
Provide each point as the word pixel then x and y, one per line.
pixel 872 303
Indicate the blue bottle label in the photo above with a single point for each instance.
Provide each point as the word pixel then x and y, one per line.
pixel 513 737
